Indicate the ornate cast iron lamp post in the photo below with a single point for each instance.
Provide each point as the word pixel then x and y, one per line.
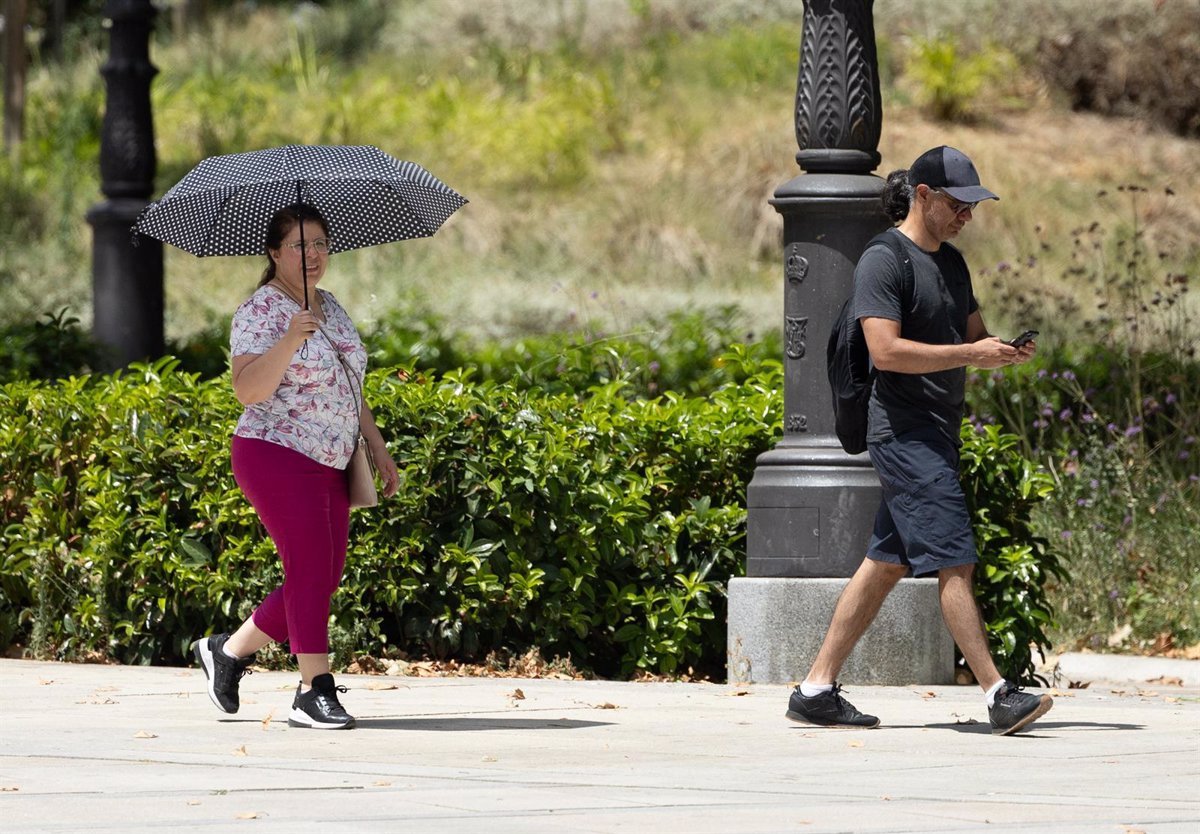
pixel 127 280
pixel 812 506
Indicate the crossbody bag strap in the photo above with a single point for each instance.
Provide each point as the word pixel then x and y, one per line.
pixel 355 389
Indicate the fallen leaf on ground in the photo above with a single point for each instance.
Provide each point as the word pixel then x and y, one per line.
pixel 489 759
pixel 1058 693
pixel 44 682
pixel 1147 693
pixel 517 695
pixel 266 722
pixel 144 734
pixel 381 686
pixel 382 783
pixel 606 705
pixel 1171 699
pixel 9 789
pixel 193 802
pixel 928 695
pixel 856 743
pixel 1078 684
pixel 1129 829
pixel 241 751
pixel 737 693
pixel 250 815
pixel 1162 680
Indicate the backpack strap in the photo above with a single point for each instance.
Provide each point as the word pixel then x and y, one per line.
pixel 890 238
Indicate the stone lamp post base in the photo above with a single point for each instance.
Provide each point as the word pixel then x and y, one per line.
pixel 776 626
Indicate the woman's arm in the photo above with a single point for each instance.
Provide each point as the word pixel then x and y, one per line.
pixel 384 464
pixel 257 375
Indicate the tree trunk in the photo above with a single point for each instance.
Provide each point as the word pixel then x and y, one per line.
pixel 15 14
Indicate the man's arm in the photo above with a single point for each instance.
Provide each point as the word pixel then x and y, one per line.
pixel 889 352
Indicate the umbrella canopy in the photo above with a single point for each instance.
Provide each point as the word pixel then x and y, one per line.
pixel 223 205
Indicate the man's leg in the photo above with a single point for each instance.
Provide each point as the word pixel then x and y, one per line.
pixel 1009 709
pixel 961 613
pixel 855 611
pixel 817 701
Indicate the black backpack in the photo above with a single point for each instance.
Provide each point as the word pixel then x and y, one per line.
pixel 851 374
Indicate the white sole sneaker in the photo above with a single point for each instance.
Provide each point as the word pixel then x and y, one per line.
pixel 204 655
pixel 300 718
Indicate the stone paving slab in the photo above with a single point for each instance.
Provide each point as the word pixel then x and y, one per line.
pixel 128 749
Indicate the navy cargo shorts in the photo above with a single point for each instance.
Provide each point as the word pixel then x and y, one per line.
pixel 922 522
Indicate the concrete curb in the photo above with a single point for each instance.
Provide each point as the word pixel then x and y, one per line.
pixel 1086 667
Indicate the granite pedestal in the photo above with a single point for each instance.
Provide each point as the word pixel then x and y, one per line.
pixel 776 626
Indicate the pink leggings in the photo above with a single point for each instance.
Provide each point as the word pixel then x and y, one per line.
pixel 305 507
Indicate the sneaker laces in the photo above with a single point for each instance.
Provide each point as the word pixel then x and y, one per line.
pixel 1008 689
pixel 228 674
pixel 842 703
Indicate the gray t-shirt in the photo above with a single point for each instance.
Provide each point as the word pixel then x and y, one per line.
pixel 935 312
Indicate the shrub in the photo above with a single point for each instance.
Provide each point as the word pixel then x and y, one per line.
pixel 52 347
pixel 1130 60
pixel 600 527
pixel 950 81
pixel 1003 489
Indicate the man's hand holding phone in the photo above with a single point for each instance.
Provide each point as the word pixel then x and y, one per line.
pixel 1024 339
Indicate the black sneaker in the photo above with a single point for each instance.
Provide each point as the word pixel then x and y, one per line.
pixel 829 709
pixel 319 708
pixel 1013 710
pixel 223 672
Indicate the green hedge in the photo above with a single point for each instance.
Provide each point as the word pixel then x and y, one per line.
pixel 596 526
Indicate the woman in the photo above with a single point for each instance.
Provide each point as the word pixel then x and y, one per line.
pixel 290 449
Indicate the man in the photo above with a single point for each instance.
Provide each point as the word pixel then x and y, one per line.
pixel 922 330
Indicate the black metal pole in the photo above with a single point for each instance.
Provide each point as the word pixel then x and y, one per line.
pixel 811 505
pixel 127 280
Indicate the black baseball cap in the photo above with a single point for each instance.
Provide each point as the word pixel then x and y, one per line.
pixel 950 170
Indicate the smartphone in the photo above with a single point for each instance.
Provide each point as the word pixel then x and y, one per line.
pixel 1027 336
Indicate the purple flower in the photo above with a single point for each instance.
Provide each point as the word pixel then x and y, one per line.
pixel 1088 417
pixel 1041 374
pixel 1170 398
pixel 1185 454
pixel 1068 375
pixel 1111 427
pixel 1114 594
pixel 1064 415
pixel 1039 423
pixel 1065 534
pixel 1189 440
pixel 1094 484
pixel 1047 411
pixel 1127 520
pixel 1132 430
pixel 1081 502
pixel 654 366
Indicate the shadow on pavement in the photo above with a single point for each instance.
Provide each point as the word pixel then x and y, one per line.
pixel 985 727
pixel 463 725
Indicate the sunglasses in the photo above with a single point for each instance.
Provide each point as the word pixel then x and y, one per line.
pixel 956 206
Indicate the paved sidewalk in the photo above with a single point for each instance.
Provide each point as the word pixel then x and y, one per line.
pixel 127 749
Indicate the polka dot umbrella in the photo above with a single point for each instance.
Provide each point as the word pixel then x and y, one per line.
pixel 223 205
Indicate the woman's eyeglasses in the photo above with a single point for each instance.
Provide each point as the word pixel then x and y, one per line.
pixel 320 245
